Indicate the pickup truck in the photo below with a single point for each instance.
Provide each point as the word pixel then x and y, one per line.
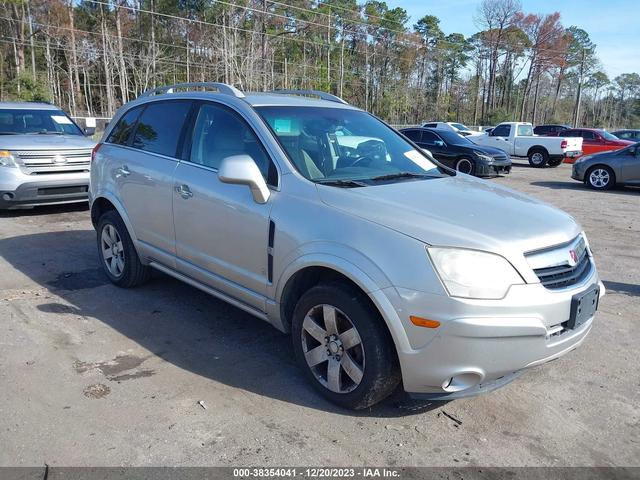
pixel 518 140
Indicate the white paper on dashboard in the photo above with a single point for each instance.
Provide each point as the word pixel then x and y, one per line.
pixel 61 120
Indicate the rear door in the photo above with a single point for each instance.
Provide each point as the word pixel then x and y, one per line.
pixel 142 168
pixel 221 232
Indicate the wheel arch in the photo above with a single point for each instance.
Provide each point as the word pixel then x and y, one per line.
pixel 537 147
pixel 105 202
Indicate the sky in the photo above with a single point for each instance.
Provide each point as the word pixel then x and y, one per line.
pixel 613 25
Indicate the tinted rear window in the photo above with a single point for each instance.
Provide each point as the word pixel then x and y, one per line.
pixel 121 132
pixel 160 125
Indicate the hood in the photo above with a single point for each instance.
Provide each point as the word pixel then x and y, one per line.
pixel 490 151
pixel 458 211
pixel 45 142
pixel 624 143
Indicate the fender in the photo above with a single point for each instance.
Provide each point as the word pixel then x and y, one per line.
pixel 107 195
pixel 353 265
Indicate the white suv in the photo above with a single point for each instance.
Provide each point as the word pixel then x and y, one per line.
pixel 322 220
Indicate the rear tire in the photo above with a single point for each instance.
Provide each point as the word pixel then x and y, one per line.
pixel 117 253
pixel 465 165
pixel 538 157
pixel 600 177
pixel 344 347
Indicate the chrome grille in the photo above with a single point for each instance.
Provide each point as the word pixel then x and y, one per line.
pixel 558 267
pixel 37 162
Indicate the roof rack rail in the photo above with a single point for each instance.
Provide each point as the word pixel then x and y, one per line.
pixel 318 93
pixel 221 87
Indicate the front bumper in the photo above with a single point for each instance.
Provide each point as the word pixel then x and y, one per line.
pixel 18 190
pixel 480 343
pixel 502 167
pixel 577 171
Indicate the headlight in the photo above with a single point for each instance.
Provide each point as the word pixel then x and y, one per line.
pixel 7 159
pixel 484 157
pixel 474 274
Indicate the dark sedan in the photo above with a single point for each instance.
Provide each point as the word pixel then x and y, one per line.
pixel 459 153
pixel 550 130
pixel 603 171
pixel 627 134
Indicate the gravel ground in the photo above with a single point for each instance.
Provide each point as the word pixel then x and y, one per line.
pixel 93 375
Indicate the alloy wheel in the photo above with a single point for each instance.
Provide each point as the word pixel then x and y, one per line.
pixel 112 250
pixel 464 166
pixel 537 158
pixel 599 178
pixel 332 348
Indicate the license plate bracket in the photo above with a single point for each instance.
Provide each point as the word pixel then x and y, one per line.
pixel 583 307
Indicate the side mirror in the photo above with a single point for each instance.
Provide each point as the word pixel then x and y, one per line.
pixel 438 143
pixel 242 170
pixel 89 131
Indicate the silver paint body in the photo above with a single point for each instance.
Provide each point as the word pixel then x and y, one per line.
pixel 217 240
pixel 56 175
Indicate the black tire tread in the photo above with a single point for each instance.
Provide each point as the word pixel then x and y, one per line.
pixel 135 272
pixel 386 376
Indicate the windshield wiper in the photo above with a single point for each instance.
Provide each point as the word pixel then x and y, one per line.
pixel 48 132
pixel 393 176
pixel 342 183
pixel 9 133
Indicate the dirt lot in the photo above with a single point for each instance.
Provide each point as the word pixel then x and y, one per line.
pixel 94 375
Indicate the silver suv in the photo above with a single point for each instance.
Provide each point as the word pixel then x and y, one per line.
pixel 44 156
pixel 317 217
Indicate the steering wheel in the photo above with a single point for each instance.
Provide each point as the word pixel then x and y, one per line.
pixel 362 160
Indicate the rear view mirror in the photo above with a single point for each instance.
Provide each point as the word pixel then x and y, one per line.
pixel 242 170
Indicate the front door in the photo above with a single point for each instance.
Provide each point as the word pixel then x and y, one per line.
pixel 221 232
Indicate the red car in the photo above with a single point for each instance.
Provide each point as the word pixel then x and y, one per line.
pixel 594 140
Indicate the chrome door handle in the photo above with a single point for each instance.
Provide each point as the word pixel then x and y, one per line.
pixel 122 171
pixel 184 191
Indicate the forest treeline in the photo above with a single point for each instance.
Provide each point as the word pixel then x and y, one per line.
pixel 91 56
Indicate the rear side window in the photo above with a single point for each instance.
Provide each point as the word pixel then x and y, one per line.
pixel 413 135
pixel 121 132
pixel 587 135
pixel 429 138
pixel 571 133
pixel 160 125
pixel 525 130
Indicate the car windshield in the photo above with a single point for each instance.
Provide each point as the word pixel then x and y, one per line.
pixel 20 121
pixel 608 135
pixel 452 138
pixel 344 147
pixel 460 126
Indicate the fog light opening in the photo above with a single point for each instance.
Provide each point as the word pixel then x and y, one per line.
pixel 461 382
pixel 7 196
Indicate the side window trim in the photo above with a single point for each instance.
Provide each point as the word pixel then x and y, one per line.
pixel 272 169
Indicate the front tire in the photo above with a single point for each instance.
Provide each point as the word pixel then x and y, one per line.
pixel 600 177
pixel 343 346
pixel 465 165
pixel 117 253
pixel 538 158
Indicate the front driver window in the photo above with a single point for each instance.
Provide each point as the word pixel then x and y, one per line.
pixel 219 133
